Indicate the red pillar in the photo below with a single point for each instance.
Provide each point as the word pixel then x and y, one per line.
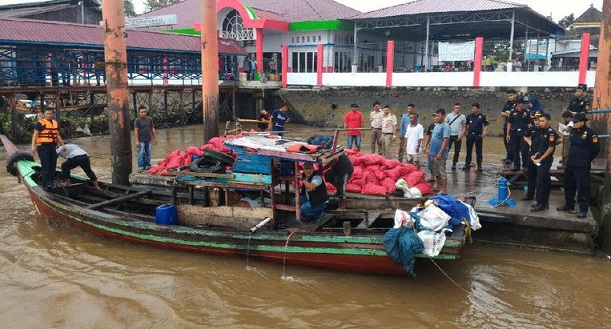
pixel 319 51
pixel 259 50
pixel 477 65
pixel 390 61
pixel 584 57
pixel 285 65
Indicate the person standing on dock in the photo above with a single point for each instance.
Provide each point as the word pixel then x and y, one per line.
pixel 413 140
pixel 425 148
pixel 375 117
pixel 543 159
pixel 531 138
pixel 278 120
pixel 145 135
pixel 505 112
pixel 517 123
pixel 584 148
pixel 353 119
pixel 580 104
pixel 75 157
pixel 457 122
pixel 389 130
pixel 313 197
pixel 405 121
pixel 564 129
pixel 44 140
pixel 476 129
pixel 438 149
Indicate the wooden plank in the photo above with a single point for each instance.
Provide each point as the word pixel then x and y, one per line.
pixel 119 199
pixel 236 217
pixel 200 174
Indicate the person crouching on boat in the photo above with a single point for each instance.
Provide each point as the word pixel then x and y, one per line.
pixel 44 140
pixel 313 197
pixel 75 157
pixel 339 174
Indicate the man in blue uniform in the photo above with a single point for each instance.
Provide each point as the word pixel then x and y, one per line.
pixel 517 123
pixel 580 104
pixel 278 119
pixel 476 130
pixel 543 159
pixel 505 112
pixel 584 148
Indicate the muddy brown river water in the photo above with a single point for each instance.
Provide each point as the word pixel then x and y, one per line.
pixel 58 277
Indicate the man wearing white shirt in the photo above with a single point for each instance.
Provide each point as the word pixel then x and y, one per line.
pixel 565 131
pixel 75 157
pixel 458 124
pixel 413 139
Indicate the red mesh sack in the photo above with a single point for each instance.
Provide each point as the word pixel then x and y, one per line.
pixel 171 155
pixel 391 163
pixel 380 175
pixel 192 150
pixel 389 183
pixel 372 189
pixel 394 173
pixel 414 178
pixel 371 178
pixel 357 173
pixel 175 162
pixel 425 188
pixel 330 188
pixel 353 188
pixel 356 160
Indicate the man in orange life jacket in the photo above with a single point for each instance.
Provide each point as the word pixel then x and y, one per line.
pixel 44 140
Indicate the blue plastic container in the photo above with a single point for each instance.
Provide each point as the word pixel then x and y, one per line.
pixel 503 189
pixel 166 214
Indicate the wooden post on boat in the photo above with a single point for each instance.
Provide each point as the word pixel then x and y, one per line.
pixel 115 56
pixel 210 79
pixel 602 100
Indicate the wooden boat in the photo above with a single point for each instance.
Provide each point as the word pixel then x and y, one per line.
pixel 348 240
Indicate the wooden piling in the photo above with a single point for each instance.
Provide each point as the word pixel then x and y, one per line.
pixel 210 79
pixel 115 55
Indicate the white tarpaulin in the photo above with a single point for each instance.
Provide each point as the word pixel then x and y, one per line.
pixel 462 51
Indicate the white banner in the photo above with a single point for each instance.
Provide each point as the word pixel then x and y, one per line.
pixel 462 51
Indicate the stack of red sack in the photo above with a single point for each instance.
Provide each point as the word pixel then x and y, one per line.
pixel 376 175
pixel 177 159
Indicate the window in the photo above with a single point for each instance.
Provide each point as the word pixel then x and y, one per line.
pixel 233 28
pixel 292 39
pixel 308 38
pixel 319 38
pixel 295 61
pixel 302 62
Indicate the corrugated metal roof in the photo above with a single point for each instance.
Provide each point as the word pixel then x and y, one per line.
pixel 439 6
pixel 189 11
pixel 68 33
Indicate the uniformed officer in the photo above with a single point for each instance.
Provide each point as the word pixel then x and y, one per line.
pixel 517 123
pixel 477 128
pixel 505 112
pixel 543 159
pixel 531 139
pixel 584 148
pixel 580 104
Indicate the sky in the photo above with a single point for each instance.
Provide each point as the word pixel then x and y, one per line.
pixel 556 8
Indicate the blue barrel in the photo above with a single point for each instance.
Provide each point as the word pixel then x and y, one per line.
pixel 503 189
pixel 166 214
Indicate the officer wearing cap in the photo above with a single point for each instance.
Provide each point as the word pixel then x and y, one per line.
pixel 505 112
pixel 531 138
pixel 543 159
pixel 584 148
pixel 580 104
pixel 519 120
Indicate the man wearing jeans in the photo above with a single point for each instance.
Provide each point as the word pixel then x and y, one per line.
pixel 313 197
pixel 457 122
pixel 353 119
pixel 146 136
pixel 438 150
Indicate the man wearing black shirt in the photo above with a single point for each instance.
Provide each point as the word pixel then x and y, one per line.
pixel 477 128
pixel 531 139
pixel 584 148
pixel 507 108
pixel 517 123
pixel 543 158
pixel 580 104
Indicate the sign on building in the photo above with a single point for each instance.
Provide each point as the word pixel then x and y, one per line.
pixel 135 22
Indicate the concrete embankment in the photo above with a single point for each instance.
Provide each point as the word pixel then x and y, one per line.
pixel 327 106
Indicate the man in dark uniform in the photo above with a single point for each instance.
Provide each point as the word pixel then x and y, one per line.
pixel 517 123
pixel 507 108
pixel 584 148
pixel 580 104
pixel 543 159
pixel 477 128
pixel 531 139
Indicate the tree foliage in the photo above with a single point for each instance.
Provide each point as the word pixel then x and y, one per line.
pixel 158 4
pixel 129 8
pixel 567 21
